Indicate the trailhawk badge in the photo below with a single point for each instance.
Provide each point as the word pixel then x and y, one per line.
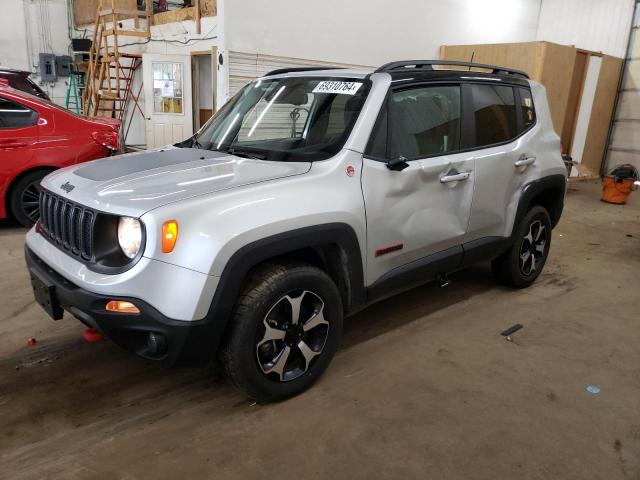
pixel 67 187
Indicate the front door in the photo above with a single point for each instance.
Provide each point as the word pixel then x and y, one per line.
pixel 417 216
pixel 168 105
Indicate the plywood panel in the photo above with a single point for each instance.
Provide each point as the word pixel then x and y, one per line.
pixel 208 8
pixel 173 16
pixel 573 102
pixel 602 112
pixel 522 56
pixel 84 11
pixel 548 63
pixel 558 64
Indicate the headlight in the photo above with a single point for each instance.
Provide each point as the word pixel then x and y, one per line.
pixel 129 236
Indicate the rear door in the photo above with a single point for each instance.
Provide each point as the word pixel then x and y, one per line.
pixel 18 136
pixel 418 216
pixel 505 160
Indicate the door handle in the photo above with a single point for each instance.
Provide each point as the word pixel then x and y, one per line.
pixel 455 177
pixel 523 161
pixel 9 145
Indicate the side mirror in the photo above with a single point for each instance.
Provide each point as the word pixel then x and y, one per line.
pixel 397 164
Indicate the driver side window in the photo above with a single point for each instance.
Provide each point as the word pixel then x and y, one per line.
pixel 418 122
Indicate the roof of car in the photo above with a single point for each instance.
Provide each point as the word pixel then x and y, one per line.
pixel 16 92
pixel 416 70
pixel 13 70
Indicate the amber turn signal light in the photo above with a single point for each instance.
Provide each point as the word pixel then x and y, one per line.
pixel 120 306
pixel 169 235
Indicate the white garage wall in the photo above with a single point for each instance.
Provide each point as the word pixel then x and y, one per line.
pixel 598 25
pixel 28 27
pixel 375 31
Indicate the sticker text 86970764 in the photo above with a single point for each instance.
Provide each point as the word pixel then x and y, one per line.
pixel 344 88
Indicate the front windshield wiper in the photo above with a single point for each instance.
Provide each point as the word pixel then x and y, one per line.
pixel 191 142
pixel 246 153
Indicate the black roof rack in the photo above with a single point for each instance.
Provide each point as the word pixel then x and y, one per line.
pixel 428 65
pixel 280 71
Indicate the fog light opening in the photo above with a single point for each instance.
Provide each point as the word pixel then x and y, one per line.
pixel 156 344
pixel 120 306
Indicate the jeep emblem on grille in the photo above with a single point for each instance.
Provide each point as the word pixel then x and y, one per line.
pixel 67 187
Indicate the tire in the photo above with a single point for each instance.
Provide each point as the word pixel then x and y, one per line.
pixel 274 363
pixel 23 201
pixel 519 266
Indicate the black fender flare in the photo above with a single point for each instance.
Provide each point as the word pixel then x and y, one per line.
pixel 244 259
pixel 532 189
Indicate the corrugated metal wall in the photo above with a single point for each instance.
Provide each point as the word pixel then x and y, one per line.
pixel 244 67
pixel 598 25
pixel 624 144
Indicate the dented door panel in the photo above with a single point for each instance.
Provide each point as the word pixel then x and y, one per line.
pixel 414 208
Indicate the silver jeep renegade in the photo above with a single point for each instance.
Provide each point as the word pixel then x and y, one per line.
pixel 311 194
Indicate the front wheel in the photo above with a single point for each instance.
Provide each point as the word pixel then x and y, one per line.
pixel 284 332
pixel 519 266
pixel 24 200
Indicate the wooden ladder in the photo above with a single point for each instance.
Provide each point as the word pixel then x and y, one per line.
pixel 110 72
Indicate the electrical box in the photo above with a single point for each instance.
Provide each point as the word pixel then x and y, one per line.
pixel 63 65
pixel 47 67
pixel 81 44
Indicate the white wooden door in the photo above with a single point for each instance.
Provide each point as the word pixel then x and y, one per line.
pixel 167 92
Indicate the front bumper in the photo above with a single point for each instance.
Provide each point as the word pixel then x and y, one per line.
pixel 173 341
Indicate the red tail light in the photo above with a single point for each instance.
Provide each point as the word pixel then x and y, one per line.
pixel 107 138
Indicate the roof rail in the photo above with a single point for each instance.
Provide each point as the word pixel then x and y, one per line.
pixel 280 71
pixel 428 65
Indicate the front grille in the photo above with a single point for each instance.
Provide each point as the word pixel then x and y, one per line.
pixel 67 224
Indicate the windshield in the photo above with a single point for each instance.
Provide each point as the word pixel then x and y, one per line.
pixel 287 119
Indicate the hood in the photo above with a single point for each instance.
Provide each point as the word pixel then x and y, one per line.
pixel 135 183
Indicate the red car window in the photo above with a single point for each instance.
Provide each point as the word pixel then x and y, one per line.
pixel 14 115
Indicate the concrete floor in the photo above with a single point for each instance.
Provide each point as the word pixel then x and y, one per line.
pixel 422 387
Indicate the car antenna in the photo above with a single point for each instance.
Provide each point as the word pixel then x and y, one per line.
pixel 471 61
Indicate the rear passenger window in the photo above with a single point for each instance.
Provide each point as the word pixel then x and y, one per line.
pixel 14 115
pixel 421 122
pixel 526 109
pixel 495 114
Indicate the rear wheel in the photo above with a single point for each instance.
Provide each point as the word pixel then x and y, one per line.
pixel 24 200
pixel 520 265
pixel 284 333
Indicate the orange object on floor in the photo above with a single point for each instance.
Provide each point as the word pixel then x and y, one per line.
pixel 618 184
pixel 616 190
pixel 92 335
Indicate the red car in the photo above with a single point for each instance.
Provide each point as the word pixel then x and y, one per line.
pixel 36 137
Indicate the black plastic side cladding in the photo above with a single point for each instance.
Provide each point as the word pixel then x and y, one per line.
pixel 554 187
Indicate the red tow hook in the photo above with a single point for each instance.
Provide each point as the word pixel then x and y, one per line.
pixel 92 335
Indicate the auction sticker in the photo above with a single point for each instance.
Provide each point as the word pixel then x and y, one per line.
pixel 343 88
